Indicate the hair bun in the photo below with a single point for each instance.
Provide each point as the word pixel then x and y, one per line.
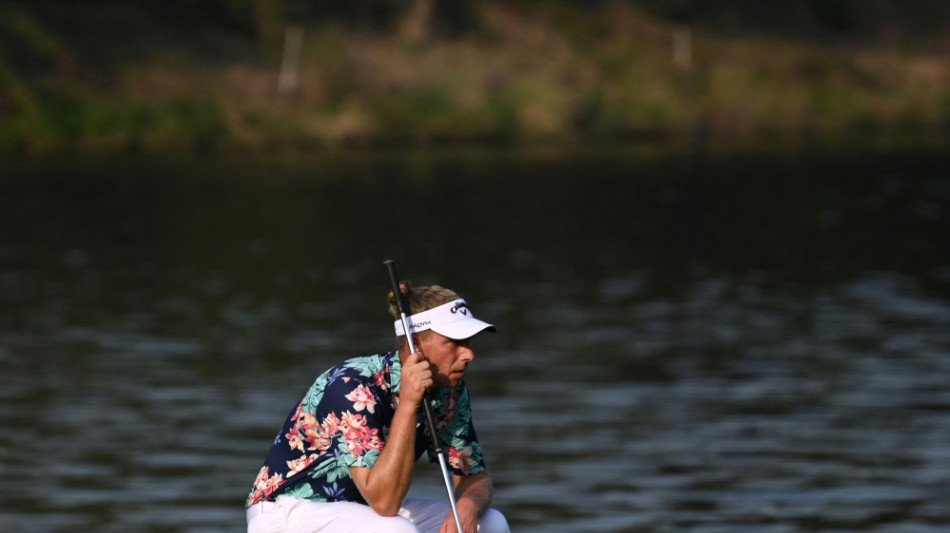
pixel 405 288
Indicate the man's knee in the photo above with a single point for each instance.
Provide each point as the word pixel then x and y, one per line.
pixel 340 517
pixel 398 524
pixel 492 521
pixel 385 524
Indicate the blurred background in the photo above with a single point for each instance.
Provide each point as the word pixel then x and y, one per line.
pixel 299 75
pixel 712 236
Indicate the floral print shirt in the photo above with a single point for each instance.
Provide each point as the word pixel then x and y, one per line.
pixel 344 420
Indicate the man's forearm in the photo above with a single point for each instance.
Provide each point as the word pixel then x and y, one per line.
pixel 385 484
pixel 474 492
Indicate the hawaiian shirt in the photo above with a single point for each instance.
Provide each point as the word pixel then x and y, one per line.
pixel 344 421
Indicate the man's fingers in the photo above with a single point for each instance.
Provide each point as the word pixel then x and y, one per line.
pixel 417 377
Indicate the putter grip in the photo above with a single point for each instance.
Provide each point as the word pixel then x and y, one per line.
pixel 397 294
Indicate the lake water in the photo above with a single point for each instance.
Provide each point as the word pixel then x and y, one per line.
pixel 687 342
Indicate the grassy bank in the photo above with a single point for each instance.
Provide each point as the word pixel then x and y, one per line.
pixel 553 72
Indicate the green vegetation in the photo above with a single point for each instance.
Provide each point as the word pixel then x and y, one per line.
pixel 109 76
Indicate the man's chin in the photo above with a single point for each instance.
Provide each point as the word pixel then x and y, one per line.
pixel 450 381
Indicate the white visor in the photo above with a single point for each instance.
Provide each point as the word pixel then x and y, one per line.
pixel 454 320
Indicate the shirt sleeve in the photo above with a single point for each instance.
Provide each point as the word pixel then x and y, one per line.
pixel 352 415
pixel 458 438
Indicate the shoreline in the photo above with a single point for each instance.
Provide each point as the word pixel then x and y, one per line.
pixel 552 77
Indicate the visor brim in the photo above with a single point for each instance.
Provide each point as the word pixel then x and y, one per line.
pixel 463 329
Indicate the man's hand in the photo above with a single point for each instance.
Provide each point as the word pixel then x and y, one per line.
pixel 473 496
pixel 469 523
pixel 416 378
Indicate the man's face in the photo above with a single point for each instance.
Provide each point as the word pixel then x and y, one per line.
pixel 449 357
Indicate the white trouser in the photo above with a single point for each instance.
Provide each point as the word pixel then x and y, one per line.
pixel 417 515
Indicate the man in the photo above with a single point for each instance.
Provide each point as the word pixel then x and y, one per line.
pixel 343 460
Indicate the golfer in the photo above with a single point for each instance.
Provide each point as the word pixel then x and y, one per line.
pixel 343 460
